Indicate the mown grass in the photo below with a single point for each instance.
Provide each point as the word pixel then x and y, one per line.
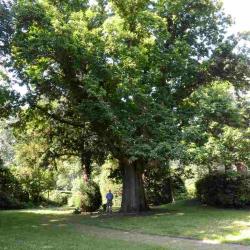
pixel 57 228
pixel 186 219
pixel 45 229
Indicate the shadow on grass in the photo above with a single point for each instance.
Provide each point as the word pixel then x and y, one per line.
pixel 184 219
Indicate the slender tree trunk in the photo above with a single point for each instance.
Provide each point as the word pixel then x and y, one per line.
pixel 133 195
pixel 171 190
pixel 209 169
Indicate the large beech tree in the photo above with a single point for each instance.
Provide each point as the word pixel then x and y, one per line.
pixel 125 68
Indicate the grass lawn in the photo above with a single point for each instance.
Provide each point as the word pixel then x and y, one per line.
pixel 185 219
pixel 41 229
pixel 58 228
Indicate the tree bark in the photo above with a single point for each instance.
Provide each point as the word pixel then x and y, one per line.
pixel 241 167
pixel 133 195
pixel 171 191
pixel 86 166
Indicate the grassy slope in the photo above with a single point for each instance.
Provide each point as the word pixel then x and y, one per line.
pixel 25 231
pixel 186 219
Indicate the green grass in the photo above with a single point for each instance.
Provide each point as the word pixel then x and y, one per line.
pixel 186 219
pixel 59 229
pixel 46 229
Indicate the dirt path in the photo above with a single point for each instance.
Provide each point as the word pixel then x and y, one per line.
pixel 172 243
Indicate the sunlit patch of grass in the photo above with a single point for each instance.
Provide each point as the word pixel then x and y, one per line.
pixel 47 211
pixel 242 223
pixel 214 242
pixel 240 236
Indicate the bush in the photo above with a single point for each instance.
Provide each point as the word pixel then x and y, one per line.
pixel 8 202
pixel 224 190
pixel 59 197
pixel 88 197
pixel 12 195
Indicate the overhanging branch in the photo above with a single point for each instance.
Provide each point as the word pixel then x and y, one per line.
pixel 60 119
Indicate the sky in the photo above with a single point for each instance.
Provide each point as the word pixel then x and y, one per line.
pixel 240 11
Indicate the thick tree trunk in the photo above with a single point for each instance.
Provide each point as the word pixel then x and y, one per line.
pixel 86 166
pixel 133 195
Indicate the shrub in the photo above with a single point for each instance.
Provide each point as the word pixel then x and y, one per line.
pixel 59 197
pixel 12 195
pixel 88 197
pixel 10 202
pixel 224 189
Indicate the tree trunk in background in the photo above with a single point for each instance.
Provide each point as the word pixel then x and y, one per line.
pixel 241 167
pixel 171 190
pixel 133 195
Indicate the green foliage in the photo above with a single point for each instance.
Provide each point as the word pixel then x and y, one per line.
pixel 86 196
pixel 11 193
pixel 224 189
pixel 9 100
pixel 58 197
pixel 68 170
pixel 56 142
pixel 7 141
pixel 32 167
pixel 35 181
pixel 123 70
pixel 123 75
pixel 107 183
pixel 163 186
pixel 217 132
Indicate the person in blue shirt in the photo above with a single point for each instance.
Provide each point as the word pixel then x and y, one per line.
pixel 109 197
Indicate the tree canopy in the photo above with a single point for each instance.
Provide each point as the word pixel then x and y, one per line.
pixel 125 68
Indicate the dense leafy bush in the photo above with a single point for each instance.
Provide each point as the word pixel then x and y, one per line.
pixel 224 189
pixel 10 202
pixel 12 195
pixel 87 197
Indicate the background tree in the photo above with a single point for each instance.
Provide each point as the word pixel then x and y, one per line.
pixel 33 172
pixel 11 193
pixel 7 141
pixel 62 140
pixel 217 131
